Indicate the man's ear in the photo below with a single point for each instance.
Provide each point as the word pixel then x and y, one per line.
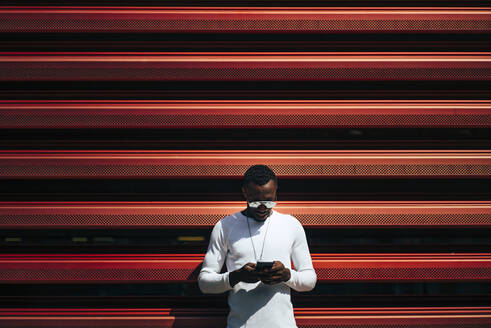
pixel 244 193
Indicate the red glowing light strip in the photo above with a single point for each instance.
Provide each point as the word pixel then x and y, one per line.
pixel 305 317
pixel 244 20
pixel 230 163
pixel 244 67
pixel 113 215
pixel 94 268
pixel 243 113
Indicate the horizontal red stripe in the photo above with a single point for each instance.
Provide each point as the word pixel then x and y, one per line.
pixel 249 20
pixel 305 317
pixel 300 311
pixel 229 114
pixel 84 268
pixel 267 67
pixel 131 164
pixel 112 215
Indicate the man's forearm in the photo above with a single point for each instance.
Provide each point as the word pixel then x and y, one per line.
pixel 213 282
pixel 302 281
pixel 234 278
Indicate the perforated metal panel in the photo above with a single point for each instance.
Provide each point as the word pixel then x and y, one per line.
pixel 227 114
pixel 245 67
pixel 197 214
pixel 408 69
pixel 129 164
pixel 250 20
pixel 93 268
pixel 99 268
pixel 451 317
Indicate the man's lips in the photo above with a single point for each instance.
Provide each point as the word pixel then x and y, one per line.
pixel 262 214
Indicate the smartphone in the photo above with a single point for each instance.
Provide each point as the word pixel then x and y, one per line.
pixel 260 266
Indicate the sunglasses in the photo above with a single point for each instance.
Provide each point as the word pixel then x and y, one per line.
pixel 267 203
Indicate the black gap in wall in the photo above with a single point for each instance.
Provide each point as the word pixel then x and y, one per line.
pixel 277 90
pixel 160 241
pixel 191 189
pixel 180 289
pixel 246 138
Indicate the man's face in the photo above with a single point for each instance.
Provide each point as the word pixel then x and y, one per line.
pixel 253 192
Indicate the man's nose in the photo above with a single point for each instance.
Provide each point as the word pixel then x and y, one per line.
pixel 262 207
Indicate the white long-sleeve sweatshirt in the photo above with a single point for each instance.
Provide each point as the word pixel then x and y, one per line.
pixel 257 305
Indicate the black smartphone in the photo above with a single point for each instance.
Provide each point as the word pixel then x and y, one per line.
pixel 260 266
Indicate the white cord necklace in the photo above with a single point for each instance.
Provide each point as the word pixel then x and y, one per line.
pixel 264 240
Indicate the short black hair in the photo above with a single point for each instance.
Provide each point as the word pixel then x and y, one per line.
pixel 259 174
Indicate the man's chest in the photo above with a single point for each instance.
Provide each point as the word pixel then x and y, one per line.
pixel 262 243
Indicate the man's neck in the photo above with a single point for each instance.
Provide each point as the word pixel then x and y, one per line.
pixel 247 214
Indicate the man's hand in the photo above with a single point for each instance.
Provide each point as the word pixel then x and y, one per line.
pixel 278 273
pixel 245 274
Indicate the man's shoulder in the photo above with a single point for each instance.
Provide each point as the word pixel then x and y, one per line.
pixel 288 219
pixel 229 220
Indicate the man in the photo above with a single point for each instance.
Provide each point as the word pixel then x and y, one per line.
pixel 258 298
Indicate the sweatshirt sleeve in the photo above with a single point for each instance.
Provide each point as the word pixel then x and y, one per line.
pixel 210 280
pixel 303 277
